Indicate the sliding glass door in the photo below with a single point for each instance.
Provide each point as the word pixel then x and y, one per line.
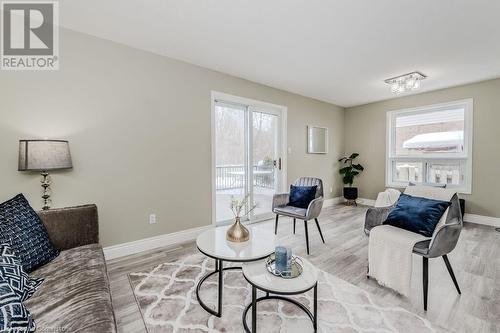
pixel 266 160
pixel 231 162
pixel 247 158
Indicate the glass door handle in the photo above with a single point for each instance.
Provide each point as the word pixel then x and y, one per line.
pixel 277 163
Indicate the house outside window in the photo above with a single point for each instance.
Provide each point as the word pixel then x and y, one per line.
pixel 431 145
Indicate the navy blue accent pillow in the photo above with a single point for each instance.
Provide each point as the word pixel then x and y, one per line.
pixel 21 227
pixel 420 215
pixel 301 196
pixel 14 317
pixel 12 271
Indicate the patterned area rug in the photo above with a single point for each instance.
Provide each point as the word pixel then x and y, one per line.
pixel 167 299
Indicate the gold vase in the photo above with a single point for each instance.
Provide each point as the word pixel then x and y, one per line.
pixel 237 232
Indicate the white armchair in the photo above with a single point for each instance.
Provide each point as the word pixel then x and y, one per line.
pixel 445 235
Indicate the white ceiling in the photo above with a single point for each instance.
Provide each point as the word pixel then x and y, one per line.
pixel 335 51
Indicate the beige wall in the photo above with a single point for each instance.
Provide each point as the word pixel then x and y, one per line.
pixel 139 131
pixel 365 130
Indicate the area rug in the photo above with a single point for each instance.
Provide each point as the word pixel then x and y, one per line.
pixel 166 296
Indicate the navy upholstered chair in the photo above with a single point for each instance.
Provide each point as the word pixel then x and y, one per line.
pixel 281 207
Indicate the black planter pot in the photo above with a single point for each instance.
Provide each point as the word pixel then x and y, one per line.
pixel 351 193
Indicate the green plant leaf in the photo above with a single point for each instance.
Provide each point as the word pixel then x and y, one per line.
pixel 355 173
pixel 358 167
pixel 342 159
pixel 353 155
pixel 345 170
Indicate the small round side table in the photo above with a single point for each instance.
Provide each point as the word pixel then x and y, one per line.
pixel 259 278
pixel 213 244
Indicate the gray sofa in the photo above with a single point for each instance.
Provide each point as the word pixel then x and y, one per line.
pixel 75 296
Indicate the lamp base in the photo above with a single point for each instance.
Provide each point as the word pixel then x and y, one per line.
pixel 46 190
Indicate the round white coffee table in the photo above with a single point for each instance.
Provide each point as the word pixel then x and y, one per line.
pixel 259 278
pixel 213 244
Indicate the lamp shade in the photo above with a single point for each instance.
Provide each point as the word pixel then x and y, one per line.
pixel 44 155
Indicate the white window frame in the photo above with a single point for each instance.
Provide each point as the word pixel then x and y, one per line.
pixel 465 157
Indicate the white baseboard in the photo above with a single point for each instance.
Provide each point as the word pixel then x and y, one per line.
pixel 484 220
pixel 125 249
pixel 337 200
pixel 332 201
pixel 366 202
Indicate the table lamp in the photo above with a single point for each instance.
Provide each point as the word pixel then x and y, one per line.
pixel 44 156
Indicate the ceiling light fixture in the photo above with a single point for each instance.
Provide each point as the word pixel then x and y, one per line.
pixel 406 82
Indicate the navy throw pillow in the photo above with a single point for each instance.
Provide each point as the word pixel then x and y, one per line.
pixel 420 215
pixel 21 227
pixel 12 271
pixel 301 196
pixel 14 317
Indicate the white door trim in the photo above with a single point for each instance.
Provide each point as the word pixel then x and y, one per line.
pixel 281 109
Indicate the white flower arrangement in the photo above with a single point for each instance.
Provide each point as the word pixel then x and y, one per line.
pixel 238 205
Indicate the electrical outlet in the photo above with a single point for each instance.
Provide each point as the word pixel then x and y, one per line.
pixel 152 218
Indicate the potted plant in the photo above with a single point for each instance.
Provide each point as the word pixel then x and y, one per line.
pixel 348 172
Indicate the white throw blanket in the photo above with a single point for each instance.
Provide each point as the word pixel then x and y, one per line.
pixel 390 257
pixel 387 198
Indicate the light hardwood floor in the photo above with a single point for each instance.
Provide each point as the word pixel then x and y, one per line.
pixel 476 262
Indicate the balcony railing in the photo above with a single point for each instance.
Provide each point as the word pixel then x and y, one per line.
pixel 233 176
pixel 436 175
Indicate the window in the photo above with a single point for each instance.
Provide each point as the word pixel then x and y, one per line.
pixel 431 145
